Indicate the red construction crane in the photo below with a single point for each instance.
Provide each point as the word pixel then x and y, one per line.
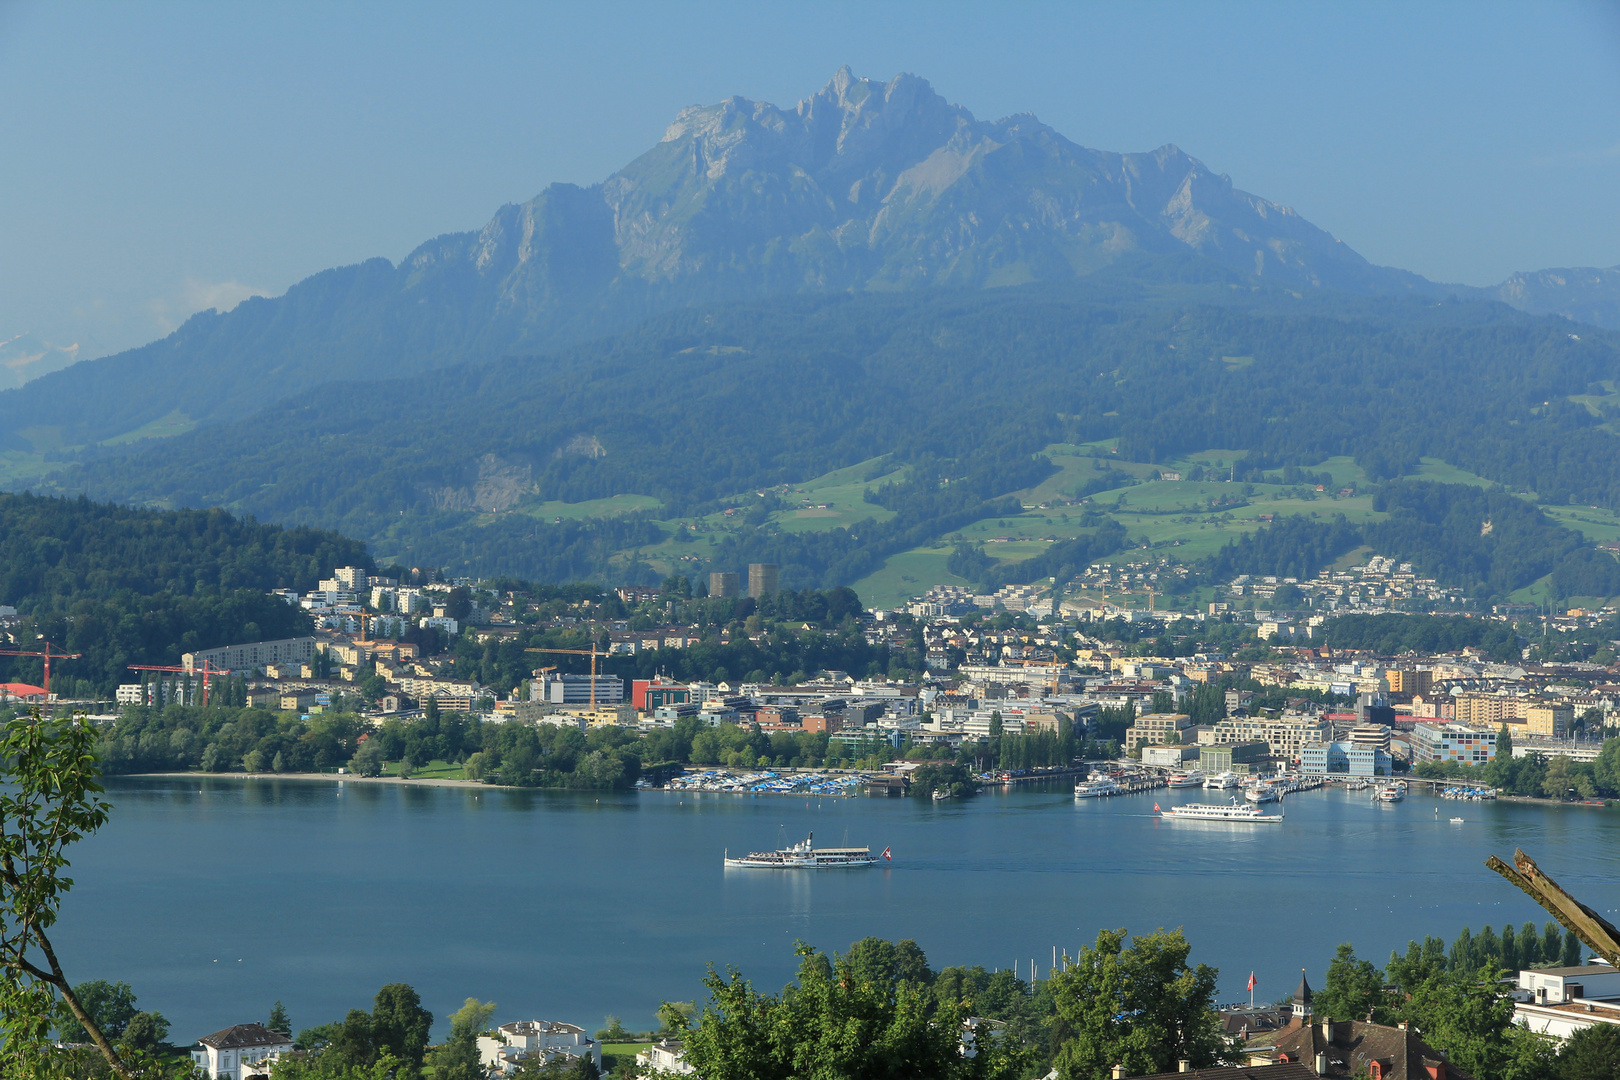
pixel 48 655
pixel 205 671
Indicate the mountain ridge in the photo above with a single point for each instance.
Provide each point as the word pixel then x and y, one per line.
pixel 863 186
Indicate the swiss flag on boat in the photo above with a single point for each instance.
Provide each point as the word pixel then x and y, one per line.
pixel 1156 809
pixel 1252 982
pixel 886 855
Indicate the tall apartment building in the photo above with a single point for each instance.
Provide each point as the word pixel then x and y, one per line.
pixel 1154 729
pixel 352 578
pixel 245 659
pixel 1479 709
pixel 724 585
pixel 1408 681
pixel 763 579
pixel 1549 720
pixel 1286 735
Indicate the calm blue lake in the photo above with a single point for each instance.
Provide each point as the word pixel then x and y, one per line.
pixel 216 898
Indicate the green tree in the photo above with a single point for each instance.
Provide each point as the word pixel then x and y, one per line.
pixel 399 1024
pixel 1571 955
pixel 110 1005
pixel 1419 964
pixel 50 798
pixel 457 1057
pixel 368 760
pixel 833 1023
pixel 1592 1053
pixel 1475 1025
pixel 372 687
pixel 1354 989
pixel 145 1033
pixel 612 1030
pixel 1141 1007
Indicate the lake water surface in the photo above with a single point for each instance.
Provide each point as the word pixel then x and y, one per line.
pixel 215 898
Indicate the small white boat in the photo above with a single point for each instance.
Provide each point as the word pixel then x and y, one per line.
pixel 1456 821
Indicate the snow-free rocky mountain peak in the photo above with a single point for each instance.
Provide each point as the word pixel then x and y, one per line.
pixel 863 185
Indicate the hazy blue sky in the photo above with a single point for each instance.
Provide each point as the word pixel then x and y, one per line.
pixel 158 158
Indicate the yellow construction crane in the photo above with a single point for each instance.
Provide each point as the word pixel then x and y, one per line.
pixel 591 652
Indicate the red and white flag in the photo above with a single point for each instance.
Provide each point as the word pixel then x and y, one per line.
pixel 886 855
pixel 1252 983
pixel 1156 809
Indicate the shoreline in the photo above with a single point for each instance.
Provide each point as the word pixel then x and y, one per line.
pixel 329 777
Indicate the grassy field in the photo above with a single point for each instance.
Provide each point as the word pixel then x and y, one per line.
pixel 1598 526
pixel 905 575
pixel 436 769
pixel 592 508
pixel 176 423
pixel 1435 469
pixel 21 465
pixel 836 500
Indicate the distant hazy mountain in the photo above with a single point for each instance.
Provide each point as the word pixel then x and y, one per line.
pixel 27 356
pixel 1582 293
pixel 863 186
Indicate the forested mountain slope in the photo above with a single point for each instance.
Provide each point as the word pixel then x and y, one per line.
pixel 862 186
pixel 127 586
pixel 960 390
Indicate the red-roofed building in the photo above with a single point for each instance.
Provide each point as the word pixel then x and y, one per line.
pixel 21 691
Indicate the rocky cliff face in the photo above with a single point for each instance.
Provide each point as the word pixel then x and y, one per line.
pixel 1584 294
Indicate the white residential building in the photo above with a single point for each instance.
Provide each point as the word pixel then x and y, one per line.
pixel 222 1055
pixel 544 1039
pixel 664 1056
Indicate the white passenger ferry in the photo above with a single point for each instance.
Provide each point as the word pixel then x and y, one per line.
pixel 1225 781
pixel 1235 811
pixel 1097 789
pixel 1185 779
pixel 802 856
pixel 1391 793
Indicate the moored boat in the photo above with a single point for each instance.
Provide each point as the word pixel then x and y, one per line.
pixel 804 856
pixel 1261 793
pixel 1223 782
pixel 1099 788
pixel 1185 779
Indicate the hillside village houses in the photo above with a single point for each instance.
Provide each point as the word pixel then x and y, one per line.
pixel 1050 671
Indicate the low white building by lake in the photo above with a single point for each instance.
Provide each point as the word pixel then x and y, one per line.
pixel 223 1055
pixel 543 1039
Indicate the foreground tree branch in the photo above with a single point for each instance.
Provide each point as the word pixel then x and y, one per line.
pixel 49 798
